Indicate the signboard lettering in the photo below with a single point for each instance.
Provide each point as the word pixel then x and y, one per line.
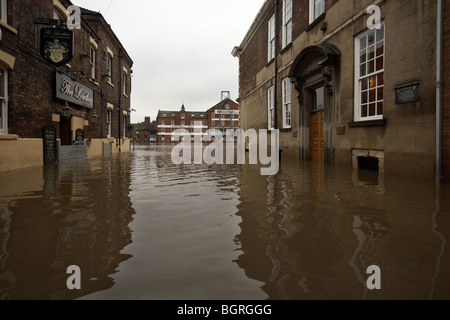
pixel 73 91
pixel 49 142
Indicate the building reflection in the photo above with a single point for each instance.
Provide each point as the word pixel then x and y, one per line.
pixel 77 214
pixel 320 228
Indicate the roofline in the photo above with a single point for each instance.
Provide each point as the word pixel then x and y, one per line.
pixel 108 28
pixel 256 22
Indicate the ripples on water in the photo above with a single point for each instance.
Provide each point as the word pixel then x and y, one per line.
pixel 140 227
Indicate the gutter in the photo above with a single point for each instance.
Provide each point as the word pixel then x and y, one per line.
pixel 277 39
pixel 439 85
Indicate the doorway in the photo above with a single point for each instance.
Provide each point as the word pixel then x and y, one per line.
pixel 317 101
pixel 65 131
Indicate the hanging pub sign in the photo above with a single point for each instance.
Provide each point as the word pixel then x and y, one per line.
pixel 73 91
pixel 57 45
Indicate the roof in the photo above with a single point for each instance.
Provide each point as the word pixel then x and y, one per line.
pixel 222 104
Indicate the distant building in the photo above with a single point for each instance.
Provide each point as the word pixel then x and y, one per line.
pixel 85 99
pixel 144 132
pixel 173 126
pixel 344 90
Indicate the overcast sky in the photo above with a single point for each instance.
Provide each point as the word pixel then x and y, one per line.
pixel 181 49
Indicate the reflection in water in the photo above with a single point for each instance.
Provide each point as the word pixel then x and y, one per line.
pixel 322 227
pixel 77 214
pixel 140 227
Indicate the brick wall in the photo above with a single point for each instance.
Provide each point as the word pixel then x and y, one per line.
pixel 446 97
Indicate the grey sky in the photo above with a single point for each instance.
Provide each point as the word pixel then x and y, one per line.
pixel 181 49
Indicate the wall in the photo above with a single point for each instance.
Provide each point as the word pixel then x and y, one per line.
pixel 12 155
pixel 446 97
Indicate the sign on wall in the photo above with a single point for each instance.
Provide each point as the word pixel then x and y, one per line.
pixel 57 46
pixel 227 112
pixel 73 91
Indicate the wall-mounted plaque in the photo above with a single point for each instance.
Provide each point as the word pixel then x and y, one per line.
pixel 49 142
pixel 407 93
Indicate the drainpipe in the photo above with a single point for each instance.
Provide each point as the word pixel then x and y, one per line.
pixel 277 38
pixel 439 83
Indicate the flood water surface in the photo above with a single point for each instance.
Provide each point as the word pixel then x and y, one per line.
pixel 140 227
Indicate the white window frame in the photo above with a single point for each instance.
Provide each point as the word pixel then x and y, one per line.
pixel 93 62
pixel 109 122
pixel 271 108
pixel 271 39
pixel 109 64
pixel 125 84
pixel 287 104
pixel 313 4
pixel 375 80
pixel 125 120
pixel 4 11
pixel 287 22
pixel 4 103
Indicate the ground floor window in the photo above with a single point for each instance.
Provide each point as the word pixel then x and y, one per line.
pixel 3 101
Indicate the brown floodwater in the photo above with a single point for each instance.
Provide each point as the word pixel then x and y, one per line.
pixel 140 227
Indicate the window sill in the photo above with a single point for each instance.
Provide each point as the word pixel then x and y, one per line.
pixel 316 22
pixel 109 82
pixel 7 26
pixel 126 95
pixel 9 137
pixel 286 130
pixel 286 48
pixel 270 62
pixel 94 82
pixel 372 123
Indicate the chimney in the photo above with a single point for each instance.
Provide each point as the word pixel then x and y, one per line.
pixel 147 119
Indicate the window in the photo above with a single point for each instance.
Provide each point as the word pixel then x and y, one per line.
pixel 183 123
pixel 173 123
pixel 125 83
pixel 109 121
pixel 125 120
pixel 287 22
pixel 271 29
pixel 163 138
pixel 3 101
pixel 183 116
pixel 109 60
pixel 271 108
pixel 222 123
pixel 213 124
pixel 163 130
pixel 4 10
pixel 318 99
pixel 286 103
pixel 369 86
pixel 163 122
pixel 316 8
pixel 93 62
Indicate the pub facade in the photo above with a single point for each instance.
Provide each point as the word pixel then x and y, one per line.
pixel 64 75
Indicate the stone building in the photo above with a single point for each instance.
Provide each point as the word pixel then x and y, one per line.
pixel 84 99
pixel 349 83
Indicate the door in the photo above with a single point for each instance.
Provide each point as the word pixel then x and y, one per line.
pixel 65 131
pixel 316 135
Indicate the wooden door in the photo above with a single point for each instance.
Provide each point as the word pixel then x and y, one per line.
pixel 316 136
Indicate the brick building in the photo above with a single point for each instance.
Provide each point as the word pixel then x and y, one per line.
pixel 171 124
pixel 446 94
pixel 341 87
pixel 86 99
pixel 144 132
